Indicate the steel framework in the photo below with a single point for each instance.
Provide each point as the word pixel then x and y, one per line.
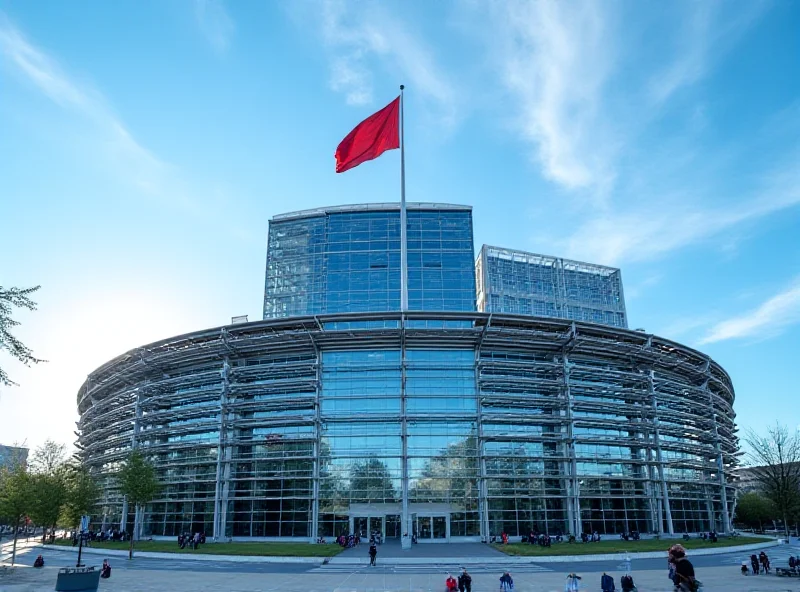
pixel 629 430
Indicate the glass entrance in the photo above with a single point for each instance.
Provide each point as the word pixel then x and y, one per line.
pixel 431 528
pixel 361 526
pixel 393 526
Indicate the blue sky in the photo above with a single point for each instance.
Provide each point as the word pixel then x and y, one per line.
pixel 145 145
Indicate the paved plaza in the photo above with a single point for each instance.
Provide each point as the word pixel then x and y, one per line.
pixel 717 572
pixel 722 579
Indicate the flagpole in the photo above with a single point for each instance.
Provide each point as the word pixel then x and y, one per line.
pixel 403 218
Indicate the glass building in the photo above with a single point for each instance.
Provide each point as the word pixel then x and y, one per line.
pixel 339 413
pixel 347 259
pixel 517 282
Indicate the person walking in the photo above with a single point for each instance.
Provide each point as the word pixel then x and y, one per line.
pixel 684 578
pixel 373 552
pixel 465 581
pixel 451 584
pixel 506 583
pixel 607 583
pixel 626 583
pixel 573 583
pixel 754 563
pixel 764 560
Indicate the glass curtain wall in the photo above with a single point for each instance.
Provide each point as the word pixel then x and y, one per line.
pixel 350 262
pixel 361 445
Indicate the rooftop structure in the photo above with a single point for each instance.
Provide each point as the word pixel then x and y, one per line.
pixel 515 282
pixel 347 259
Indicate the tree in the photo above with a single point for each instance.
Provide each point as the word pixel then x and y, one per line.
pixel 370 481
pixel 10 298
pixel 48 485
pixel 81 496
pixel 753 509
pixel 775 462
pixel 139 484
pixel 15 495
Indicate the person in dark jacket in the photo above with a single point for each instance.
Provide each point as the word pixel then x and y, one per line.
pixel 754 563
pixel 465 581
pixel 626 582
pixel 373 552
pixel 607 583
pixel 684 577
pixel 39 562
pixel 764 560
pixel 105 570
pixel 506 583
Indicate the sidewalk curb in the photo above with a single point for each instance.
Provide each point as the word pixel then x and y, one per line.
pixel 336 560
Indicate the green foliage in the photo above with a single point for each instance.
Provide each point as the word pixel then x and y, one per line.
pixel 82 495
pixel 754 509
pixel 47 475
pixel 137 479
pixel 15 494
pixel 10 298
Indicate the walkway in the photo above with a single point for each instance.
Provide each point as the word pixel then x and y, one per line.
pixel 392 549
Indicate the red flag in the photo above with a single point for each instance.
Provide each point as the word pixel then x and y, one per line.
pixel 369 139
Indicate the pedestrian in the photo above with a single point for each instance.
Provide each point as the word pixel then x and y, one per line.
pixel 745 569
pixel 626 582
pixel 754 563
pixel 373 552
pixel 105 571
pixel 573 583
pixel 506 583
pixel 607 583
pixel 196 540
pixel 684 578
pixel 764 560
pixel 464 581
pixel 39 562
pixel 450 583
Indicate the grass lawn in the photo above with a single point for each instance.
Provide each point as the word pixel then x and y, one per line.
pixel 260 549
pixel 619 546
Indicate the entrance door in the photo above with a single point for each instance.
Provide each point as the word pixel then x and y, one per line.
pixel 393 526
pixel 361 527
pixel 375 527
pixel 431 528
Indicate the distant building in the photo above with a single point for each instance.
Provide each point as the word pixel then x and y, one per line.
pixel 515 282
pixel 11 455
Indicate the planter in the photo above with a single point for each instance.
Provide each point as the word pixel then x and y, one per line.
pixel 75 579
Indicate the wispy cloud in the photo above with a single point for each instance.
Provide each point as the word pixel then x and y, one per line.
pixel 641 233
pixel 139 165
pixel 705 32
pixel 369 38
pixel 769 319
pixel 555 58
pixel 214 22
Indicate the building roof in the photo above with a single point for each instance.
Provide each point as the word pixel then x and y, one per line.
pixel 368 207
pixel 538 259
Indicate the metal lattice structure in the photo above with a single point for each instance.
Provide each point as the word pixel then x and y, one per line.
pixel 456 426
pixel 510 281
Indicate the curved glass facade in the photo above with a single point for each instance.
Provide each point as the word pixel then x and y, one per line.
pixel 454 426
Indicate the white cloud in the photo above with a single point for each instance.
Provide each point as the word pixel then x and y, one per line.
pixel 706 32
pixel 367 37
pixel 638 234
pixel 136 163
pixel 771 318
pixel 555 59
pixel 214 22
